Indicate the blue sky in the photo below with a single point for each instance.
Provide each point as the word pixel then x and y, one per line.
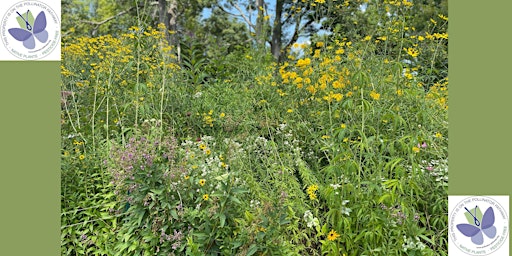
pixel 270 10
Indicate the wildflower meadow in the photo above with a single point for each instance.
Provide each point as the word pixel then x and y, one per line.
pixel 339 148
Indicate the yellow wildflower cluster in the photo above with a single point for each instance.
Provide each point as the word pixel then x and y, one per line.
pixel 438 94
pixel 375 95
pixel 319 74
pixel 301 63
pixel 400 3
pixel 208 119
pixel 311 190
pixel 333 96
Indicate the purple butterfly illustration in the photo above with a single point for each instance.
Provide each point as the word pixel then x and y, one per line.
pixel 36 30
pixel 486 226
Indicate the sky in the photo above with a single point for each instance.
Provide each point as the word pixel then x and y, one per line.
pixel 270 10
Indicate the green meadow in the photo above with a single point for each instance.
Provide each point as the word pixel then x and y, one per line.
pixel 339 147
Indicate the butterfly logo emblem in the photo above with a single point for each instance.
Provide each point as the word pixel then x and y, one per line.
pixel 481 225
pixel 30 28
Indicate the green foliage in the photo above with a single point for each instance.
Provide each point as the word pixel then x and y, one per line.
pixel 340 150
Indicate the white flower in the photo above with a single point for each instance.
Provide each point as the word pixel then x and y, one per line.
pixel 335 186
pixel 310 221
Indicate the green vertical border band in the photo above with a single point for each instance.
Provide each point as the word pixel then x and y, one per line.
pixel 480 105
pixel 480 98
pixel 30 164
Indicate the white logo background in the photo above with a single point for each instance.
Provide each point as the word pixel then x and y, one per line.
pixel 459 244
pixel 12 49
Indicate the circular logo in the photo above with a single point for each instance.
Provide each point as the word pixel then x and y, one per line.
pixel 478 225
pixel 30 30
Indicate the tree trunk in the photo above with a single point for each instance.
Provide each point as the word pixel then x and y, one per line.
pixel 275 44
pixel 260 23
pixel 172 17
pixel 162 18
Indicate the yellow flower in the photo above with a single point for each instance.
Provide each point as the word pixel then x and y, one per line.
pixel 320 1
pixel 289 110
pixel 317 53
pixel 202 146
pixel 303 62
pixel 340 51
pixel 375 95
pixel 81 157
pixel 332 235
pixel 439 135
pixel 222 115
pixel 411 51
pixel 205 197
pixel 208 152
pixel 202 182
pixel 319 44
pixel 311 191
pixel 415 149
pixel 343 126
pixel 187 177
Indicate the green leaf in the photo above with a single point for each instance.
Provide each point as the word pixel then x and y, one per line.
pixel 248 216
pixel 174 214
pixel 283 220
pixel 157 191
pixel 222 219
pixel 234 200
pixel 252 250
pixel 384 197
pixel 324 229
pixel 222 177
pixel 239 191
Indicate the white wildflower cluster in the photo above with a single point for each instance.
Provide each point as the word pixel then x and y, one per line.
pixel 235 148
pixel 199 158
pixel 438 169
pixel 344 210
pixel 335 186
pixel 254 204
pixel 197 95
pixel 258 145
pixel 413 244
pixel 310 220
